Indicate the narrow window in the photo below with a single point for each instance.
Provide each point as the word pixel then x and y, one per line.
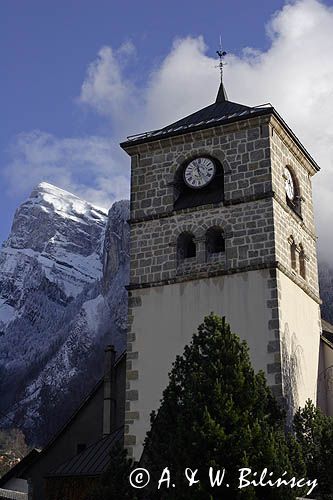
pixel 293 255
pixel 215 242
pixel 80 447
pixel 302 269
pixel 186 248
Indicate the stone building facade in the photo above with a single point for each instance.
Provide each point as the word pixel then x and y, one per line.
pixel 263 277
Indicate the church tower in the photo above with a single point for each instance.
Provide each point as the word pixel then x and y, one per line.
pixel 221 221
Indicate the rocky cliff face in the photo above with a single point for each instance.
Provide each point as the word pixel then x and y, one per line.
pixel 59 231
pixel 63 272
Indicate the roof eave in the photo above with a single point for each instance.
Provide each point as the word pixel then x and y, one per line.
pixel 326 326
pixel 129 144
pixel 326 341
pixel 126 145
pixel 66 476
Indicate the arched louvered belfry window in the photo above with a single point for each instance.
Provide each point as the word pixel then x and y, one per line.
pixel 186 248
pixel 302 265
pixel 215 242
pixel 293 259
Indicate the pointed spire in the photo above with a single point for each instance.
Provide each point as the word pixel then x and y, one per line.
pixel 222 94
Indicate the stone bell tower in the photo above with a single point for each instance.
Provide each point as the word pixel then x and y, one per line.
pixel 221 220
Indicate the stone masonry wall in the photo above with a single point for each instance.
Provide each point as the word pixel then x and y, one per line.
pixel 287 223
pixel 253 160
pixel 243 148
pixel 249 240
pixel 246 214
pixel 255 218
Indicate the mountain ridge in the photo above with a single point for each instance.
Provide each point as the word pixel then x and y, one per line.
pixel 57 309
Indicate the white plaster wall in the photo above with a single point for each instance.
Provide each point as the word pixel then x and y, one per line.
pixel 300 337
pixel 168 317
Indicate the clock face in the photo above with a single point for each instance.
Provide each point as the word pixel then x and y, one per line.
pixel 289 185
pixel 199 172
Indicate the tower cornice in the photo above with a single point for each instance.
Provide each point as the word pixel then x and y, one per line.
pixel 259 115
pixel 273 265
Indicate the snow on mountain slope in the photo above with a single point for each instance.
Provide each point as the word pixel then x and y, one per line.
pixel 61 232
pixel 61 302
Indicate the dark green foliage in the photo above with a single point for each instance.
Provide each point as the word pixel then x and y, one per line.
pixel 314 432
pixel 217 412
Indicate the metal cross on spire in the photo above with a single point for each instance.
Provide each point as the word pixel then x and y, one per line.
pixel 221 53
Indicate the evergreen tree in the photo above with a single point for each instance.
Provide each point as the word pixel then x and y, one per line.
pixel 314 432
pixel 216 412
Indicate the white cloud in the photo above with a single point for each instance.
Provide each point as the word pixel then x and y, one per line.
pixel 105 90
pixel 186 81
pixel 295 74
pixel 171 90
pixel 88 166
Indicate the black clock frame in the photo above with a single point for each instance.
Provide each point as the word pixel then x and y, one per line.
pixel 187 197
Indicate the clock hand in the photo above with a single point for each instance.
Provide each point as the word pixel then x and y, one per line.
pixel 201 173
pixel 204 174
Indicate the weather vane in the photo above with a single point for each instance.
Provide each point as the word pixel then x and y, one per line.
pixel 221 53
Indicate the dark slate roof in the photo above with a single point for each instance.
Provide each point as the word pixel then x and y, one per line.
pixel 212 113
pixel 91 462
pixel 221 112
pixel 326 326
pixel 222 108
pixel 327 330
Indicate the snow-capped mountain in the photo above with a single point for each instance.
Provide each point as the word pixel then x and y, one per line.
pixel 63 272
pixel 61 232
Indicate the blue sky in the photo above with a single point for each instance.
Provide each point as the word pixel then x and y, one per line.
pixel 78 76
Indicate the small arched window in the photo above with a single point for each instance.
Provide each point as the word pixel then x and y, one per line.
pixel 302 268
pixel 186 248
pixel 215 242
pixel 293 260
